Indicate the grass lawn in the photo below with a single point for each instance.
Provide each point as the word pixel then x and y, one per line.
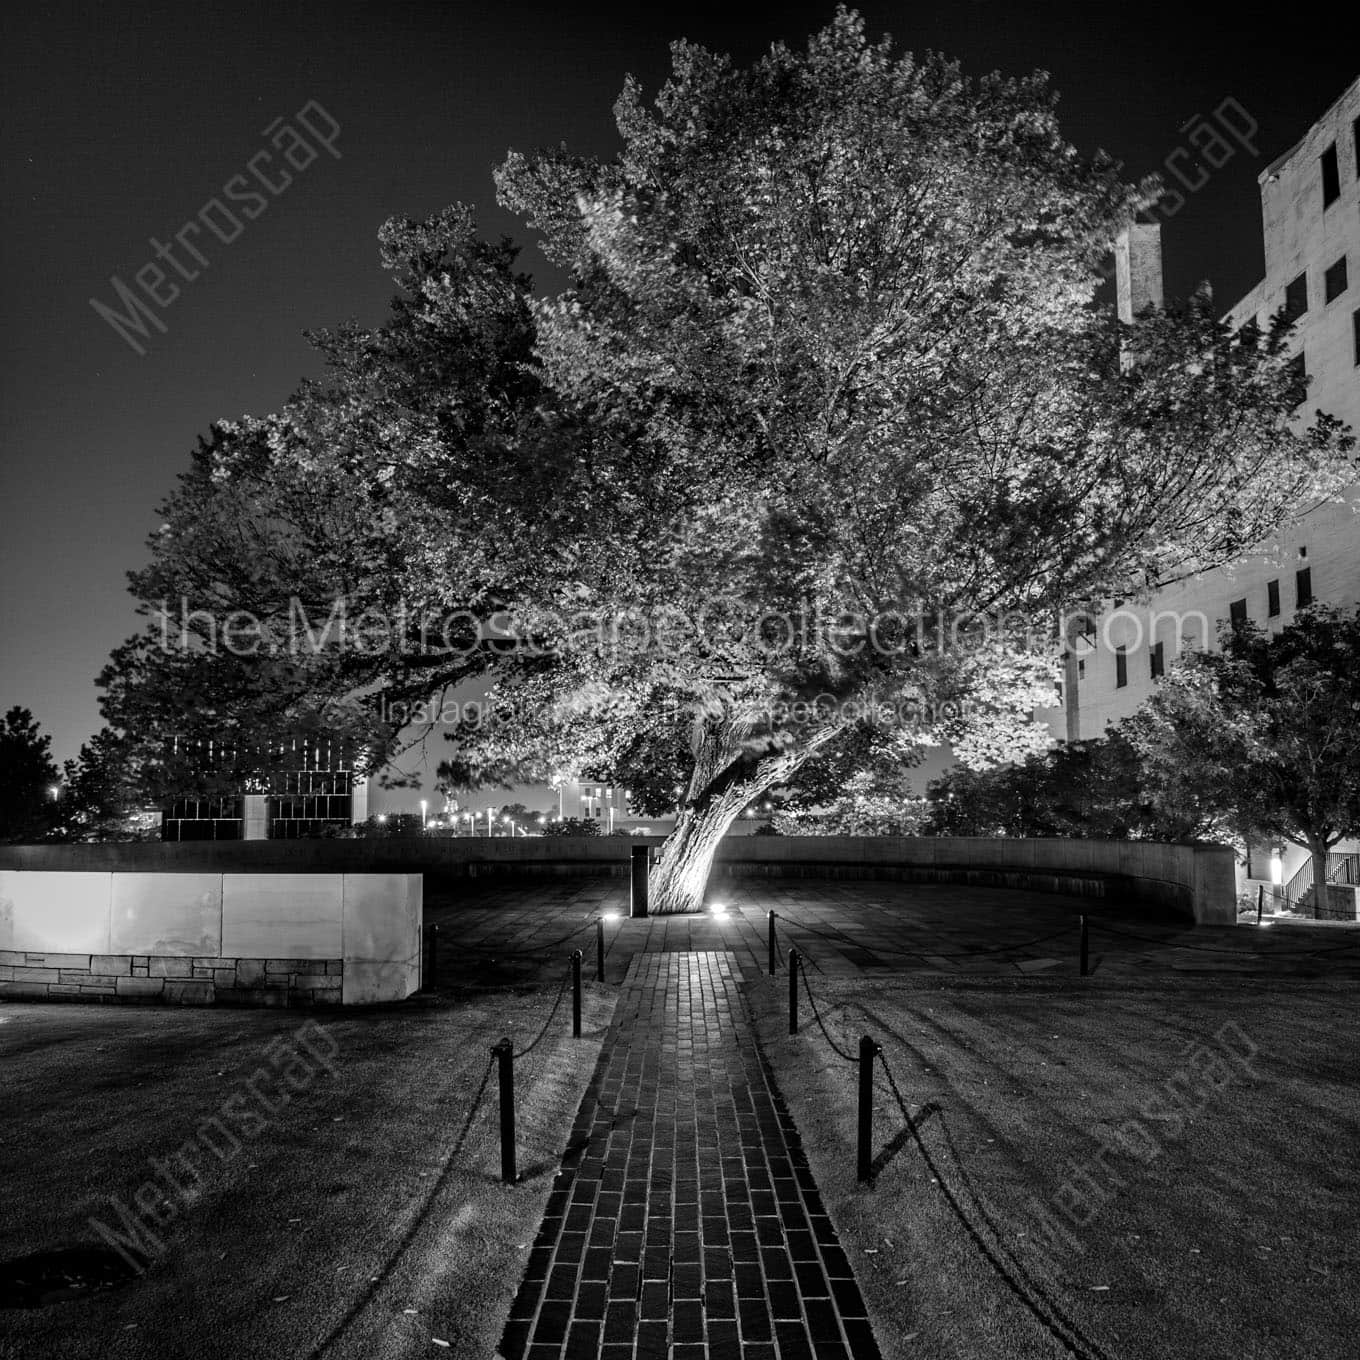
pixel 339 1209
pixel 1173 1188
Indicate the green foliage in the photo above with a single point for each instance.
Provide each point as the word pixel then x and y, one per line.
pixel 1101 789
pixel 572 826
pixel 101 793
pixel 866 806
pixel 28 776
pixel 827 355
pixel 1267 729
pixel 392 824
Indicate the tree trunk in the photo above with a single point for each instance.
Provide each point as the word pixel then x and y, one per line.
pixel 1318 854
pixel 678 882
pixel 723 783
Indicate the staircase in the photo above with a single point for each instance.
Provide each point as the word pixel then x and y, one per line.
pixel 1342 869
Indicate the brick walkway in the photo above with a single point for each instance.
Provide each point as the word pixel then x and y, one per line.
pixel 685 1222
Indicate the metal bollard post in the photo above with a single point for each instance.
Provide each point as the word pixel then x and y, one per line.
pixel 434 957
pixel 793 991
pixel 637 905
pixel 575 993
pixel 1085 949
pixel 504 1053
pixel 1260 901
pixel 599 951
pixel 774 949
pixel 868 1051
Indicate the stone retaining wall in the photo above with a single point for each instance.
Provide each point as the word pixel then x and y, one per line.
pixel 196 938
pixel 1197 880
pixel 192 981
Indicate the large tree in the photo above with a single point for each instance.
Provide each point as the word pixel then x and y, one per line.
pixel 1267 730
pixel 828 378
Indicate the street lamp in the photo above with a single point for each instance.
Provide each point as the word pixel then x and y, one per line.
pixel 424 808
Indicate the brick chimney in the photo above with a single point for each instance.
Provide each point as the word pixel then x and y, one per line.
pixel 1138 269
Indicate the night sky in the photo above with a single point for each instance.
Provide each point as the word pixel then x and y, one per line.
pixel 120 122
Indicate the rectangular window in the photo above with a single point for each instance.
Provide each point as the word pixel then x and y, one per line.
pixel 1303 587
pixel 1334 280
pixel 1296 298
pixel 1081 670
pixel 1272 599
pixel 1331 177
pixel 1298 380
pixel 1157 660
pixel 1237 613
pixel 1121 667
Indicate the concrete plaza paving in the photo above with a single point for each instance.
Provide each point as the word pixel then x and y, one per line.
pixel 685 1222
pixel 495 932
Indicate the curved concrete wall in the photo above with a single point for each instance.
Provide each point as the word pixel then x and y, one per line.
pixel 1196 879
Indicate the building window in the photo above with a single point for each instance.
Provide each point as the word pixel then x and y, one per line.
pixel 1331 177
pixel 1334 280
pixel 1298 380
pixel 1237 613
pixel 1272 599
pixel 1296 298
pixel 1157 660
pixel 1121 666
pixel 1081 670
pixel 1303 588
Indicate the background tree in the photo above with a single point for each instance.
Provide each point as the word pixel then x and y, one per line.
pixel 29 779
pixel 100 792
pixel 1103 788
pixel 825 430
pixel 1267 730
pixel 572 826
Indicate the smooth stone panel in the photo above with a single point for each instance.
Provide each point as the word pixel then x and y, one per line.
pixel 278 916
pixel 55 913
pixel 382 936
pixel 167 914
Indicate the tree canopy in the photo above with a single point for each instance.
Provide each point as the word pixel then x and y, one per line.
pixel 826 431
pixel 1267 730
pixel 28 779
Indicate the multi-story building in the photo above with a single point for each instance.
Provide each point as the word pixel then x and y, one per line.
pixel 312 788
pixel 1310 214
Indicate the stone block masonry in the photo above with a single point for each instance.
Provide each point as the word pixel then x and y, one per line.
pixel 200 981
pixel 195 938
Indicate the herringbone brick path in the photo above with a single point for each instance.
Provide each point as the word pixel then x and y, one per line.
pixel 685 1222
